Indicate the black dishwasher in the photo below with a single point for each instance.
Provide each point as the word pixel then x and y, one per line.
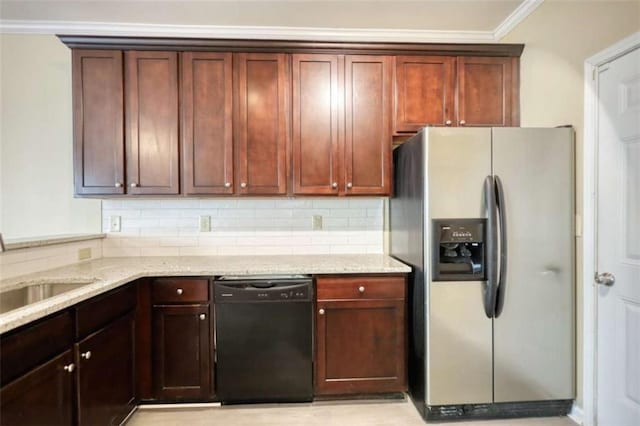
pixel 264 339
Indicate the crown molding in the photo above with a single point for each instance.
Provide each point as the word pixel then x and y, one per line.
pixel 11 26
pixel 242 32
pixel 515 18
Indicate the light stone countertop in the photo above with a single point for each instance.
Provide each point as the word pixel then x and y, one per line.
pixel 108 273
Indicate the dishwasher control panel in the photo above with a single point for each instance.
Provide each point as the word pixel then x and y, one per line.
pixel 256 291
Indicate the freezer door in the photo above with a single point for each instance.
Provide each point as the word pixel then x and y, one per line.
pixel 534 332
pixel 459 366
pixel 460 345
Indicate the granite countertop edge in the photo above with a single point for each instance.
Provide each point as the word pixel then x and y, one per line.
pixel 106 274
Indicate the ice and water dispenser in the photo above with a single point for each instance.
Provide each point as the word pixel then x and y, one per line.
pixel 458 250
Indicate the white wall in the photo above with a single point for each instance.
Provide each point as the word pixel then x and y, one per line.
pixel 559 36
pixel 244 226
pixel 36 192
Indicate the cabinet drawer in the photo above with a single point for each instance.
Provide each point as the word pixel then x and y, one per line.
pixel 334 288
pixel 180 290
pixel 101 310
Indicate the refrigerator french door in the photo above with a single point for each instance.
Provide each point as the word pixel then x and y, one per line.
pixel 499 342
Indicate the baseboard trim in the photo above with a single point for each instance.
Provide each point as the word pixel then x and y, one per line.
pixel 177 406
pixel 576 414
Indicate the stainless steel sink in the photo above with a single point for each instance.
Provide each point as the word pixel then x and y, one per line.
pixel 19 297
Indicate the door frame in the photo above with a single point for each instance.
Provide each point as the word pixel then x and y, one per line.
pixel 589 212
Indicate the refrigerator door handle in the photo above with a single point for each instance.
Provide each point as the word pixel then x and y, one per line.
pixel 489 288
pixel 502 256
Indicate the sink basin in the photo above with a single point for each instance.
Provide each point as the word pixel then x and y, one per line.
pixel 19 297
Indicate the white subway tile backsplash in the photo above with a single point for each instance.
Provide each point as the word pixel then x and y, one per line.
pixel 26 261
pixel 218 204
pixel 244 226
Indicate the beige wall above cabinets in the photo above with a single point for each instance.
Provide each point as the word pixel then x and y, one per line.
pixel 36 184
pixel 288 118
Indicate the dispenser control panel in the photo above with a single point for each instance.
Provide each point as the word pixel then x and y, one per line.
pixel 458 250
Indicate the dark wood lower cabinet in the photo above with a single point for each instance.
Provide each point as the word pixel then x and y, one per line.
pixel 360 336
pixel 44 396
pixel 105 360
pixel 182 352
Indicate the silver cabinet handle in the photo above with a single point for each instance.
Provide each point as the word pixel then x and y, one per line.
pixel 69 368
pixel 462 122
pixel 321 311
pixel 133 184
pixel 349 185
pixel 361 289
pixel 203 317
pixel 179 291
pixel 118 184
pixel 334 185
pixel 447 123
pixel 605 278
pixel 243 184
pixel 86 355
pixel 227 184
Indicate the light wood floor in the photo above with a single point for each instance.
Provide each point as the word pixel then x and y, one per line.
pixel 361 413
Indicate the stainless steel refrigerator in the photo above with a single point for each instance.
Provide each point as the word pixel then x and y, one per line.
pixel 485 218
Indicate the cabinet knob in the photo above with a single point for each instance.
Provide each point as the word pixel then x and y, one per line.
pixel 118 184
pixel 133 184
pixel 361 289
pixel 447 123
pixel 227 184
pixel 321 311
pixel 462 122
pixel 334 185
pixel 69 368
pixel 179 291
pixel 203 317
pixel 349 185
pixel 86 355
pixel 243 184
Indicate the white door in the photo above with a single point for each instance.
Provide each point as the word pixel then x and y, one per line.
pixel 618 247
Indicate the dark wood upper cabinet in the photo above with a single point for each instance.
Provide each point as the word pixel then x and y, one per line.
pixel 486 92
pixel 425 92
pixel 106 387
pixel 98 122
pixel 151 93
pixel 317 116
pixel 206 123
pixel 261 82
pixel 342 124
pixel 367 153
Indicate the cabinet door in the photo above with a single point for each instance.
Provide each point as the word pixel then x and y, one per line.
pixel 485 91
pixel 261 85
pixel 41 397
pixel 182 353
pixel 368 125
pixel 106 386
pixel 206 123
pixel 360 347
pixel 98 110
pixel 317 117
pixel 425 88
pixel 151 93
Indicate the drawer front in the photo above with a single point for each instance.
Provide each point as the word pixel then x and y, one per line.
pixel 354 288
pixel 23 350
pixel 180 290
pixel 101 310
